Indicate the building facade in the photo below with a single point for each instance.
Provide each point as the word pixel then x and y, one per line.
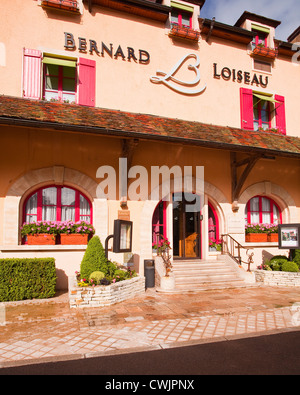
pixel 110 109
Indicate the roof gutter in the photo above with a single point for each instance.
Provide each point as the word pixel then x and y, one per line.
pixel 142 136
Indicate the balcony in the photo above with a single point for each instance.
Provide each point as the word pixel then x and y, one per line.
pixel 65 5
pixel 184 32
pixel 265 52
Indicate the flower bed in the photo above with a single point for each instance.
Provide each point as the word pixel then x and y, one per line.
pixel 104 295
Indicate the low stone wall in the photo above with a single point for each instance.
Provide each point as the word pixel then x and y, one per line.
pixel 105 295
pixel 283 279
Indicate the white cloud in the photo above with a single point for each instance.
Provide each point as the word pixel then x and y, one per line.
pixel 228 11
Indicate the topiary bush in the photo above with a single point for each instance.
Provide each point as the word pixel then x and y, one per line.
pixel 94 260
pixel 290 267
pixel 27 278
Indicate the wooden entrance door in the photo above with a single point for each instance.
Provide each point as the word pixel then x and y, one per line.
pixel 186 226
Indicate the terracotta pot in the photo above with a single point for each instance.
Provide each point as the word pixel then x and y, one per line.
pixel 41 239
pixel 73 239
pixel 273 237
pixel 256 237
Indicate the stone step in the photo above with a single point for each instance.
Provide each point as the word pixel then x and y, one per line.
pixel 205 274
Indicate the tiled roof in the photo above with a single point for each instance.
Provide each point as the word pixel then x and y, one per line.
pixel 49 115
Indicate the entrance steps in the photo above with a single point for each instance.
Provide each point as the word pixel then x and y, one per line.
pixel 196 275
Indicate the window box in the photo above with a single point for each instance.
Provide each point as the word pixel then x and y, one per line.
pixel 184 32
pixel 273 237
pixel 266 52
pixel 256 237
pixel 41 239
pixel 73 239
pixel 66 5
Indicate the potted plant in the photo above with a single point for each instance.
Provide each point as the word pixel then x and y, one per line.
pixel 74 232
pixel 256 233
pixel 267 52
pixel 40 232
pixel 161 246
pixel 215 245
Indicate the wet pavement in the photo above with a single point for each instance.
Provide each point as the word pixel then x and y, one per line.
pixel 48 330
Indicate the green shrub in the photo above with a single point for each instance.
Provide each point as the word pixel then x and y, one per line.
pixel 297 258
pixel 290 267
pixel 94 260
pixel 281 257
pixel 97 276
pixel 276 264
pixel 27 278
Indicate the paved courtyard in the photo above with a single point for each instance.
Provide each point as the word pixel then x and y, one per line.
pixel 43 330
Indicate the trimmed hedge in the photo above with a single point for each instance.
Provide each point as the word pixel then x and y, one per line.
pixel 27 278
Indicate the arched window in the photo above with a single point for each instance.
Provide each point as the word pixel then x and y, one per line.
pixel 262 210
pixel 213 224
pixel 57 204
pixel 159 222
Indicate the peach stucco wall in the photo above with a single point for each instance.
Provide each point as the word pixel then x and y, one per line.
pixel 126 85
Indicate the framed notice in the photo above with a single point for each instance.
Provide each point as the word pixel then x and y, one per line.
pixel 122 236
pixel 288 236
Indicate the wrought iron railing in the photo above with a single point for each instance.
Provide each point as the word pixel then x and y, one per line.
pixel 233 248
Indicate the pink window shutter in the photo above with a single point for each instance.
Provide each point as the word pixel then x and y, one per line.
pixel 87 82
pixel 32 73
pixel 280 114
pixel 246 97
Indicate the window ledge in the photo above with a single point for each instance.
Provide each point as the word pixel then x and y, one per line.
pixel 184 32
pixel 265 52
pixel 64 5
pixel 262 244
pixel 28 248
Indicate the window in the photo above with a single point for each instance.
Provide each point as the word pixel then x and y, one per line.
pixel 181 18
pixel 262 66
pixel 261 114
pixel 262 210
pixel 260 39
pixel 65 79
pixel 59 83
pixel 159 227
pixel 262 111
pixel 57 204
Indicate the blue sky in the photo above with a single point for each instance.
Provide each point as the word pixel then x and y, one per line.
pixel 229 11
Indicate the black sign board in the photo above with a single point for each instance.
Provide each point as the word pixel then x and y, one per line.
pixel 288 236
pixel 122 236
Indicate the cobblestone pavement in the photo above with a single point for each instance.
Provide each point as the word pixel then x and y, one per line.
pixel 43 330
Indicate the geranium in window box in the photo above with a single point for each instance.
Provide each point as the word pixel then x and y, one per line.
pixel 267 52
pixel 256 233
pixel 184 32
pixel 40 232
pixel 72 233
pixel 273 234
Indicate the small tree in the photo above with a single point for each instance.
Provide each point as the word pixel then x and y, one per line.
pixel 94 259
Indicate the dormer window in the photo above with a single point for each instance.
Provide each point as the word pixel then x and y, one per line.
pixel 181 18
pixel 182 22
pixel 261 38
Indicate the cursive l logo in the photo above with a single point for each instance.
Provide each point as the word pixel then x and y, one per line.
pixel 179 85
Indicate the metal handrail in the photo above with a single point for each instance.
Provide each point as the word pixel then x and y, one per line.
pixel 229 247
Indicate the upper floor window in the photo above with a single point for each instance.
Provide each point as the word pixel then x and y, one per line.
pixel 60 81
pixel 65 79
pixel 260 111
pixel 181 18
pixel 260 38
pixel 261 114
pixel 57 204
